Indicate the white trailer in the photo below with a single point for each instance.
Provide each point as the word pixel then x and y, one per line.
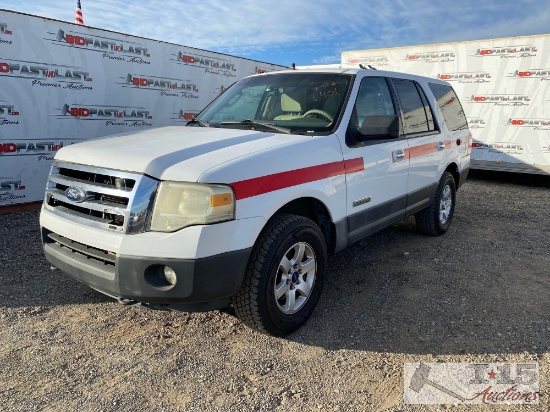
pixel 503 84
pixel 62 83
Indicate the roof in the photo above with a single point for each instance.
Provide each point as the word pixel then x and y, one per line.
pixel 356 71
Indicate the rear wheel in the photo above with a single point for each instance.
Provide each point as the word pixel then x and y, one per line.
pixel 284 276
pixel 436 218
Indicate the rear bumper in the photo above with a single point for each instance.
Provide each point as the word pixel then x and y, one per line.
pixel 135 278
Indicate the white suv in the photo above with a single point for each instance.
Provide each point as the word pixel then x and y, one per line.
pixel 244 205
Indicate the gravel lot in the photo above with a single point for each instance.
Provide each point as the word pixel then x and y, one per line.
pixel 479 293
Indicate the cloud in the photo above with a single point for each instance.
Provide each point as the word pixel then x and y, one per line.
pixel 250 27
pixel 333 59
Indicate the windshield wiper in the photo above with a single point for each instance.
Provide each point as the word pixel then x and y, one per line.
pixel 202 123
pixel 255 124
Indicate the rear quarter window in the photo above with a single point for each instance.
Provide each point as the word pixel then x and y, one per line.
pixel 450 106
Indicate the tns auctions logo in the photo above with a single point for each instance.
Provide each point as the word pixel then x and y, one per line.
pixel 466 77
pixel 111 115
pixel 536 124
pixel 507 52
pixel 210 65
pixel 471 383
pixel 167 87
pixel 501 99
pixel 542 74
pixel 112 49
pixel 11 189
pixel 8 114
pixel 431 57
pixel 4 31
pixel 47 74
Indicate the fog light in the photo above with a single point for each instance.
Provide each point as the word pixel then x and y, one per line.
pixel 170 275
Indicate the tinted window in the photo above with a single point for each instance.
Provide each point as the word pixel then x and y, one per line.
pixel 429 115
pixel 414 111
pixel 450 106
pixel 373 99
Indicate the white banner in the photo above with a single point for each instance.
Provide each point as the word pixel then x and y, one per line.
pixel 62 83
pixel 504 87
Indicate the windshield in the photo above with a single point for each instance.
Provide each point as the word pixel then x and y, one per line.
pixel 292 102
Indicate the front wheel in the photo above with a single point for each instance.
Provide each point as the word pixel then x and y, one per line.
pixel 436 218
pixel 284 277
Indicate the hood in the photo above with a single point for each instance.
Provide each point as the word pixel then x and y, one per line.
pixel 172 153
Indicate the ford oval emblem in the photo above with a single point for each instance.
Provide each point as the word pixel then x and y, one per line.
pixel 76 194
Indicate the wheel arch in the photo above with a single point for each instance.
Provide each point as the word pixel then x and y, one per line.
pixel 454 171
pixel 318 212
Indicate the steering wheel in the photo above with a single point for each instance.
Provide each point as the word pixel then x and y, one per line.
pixel 321 112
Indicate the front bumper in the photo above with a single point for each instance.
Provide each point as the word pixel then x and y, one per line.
pixel 208 280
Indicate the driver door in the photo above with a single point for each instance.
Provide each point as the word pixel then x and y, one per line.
pixel 376 195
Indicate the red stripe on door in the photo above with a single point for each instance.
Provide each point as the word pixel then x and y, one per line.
pixel 424 149
pixel 265 184
pixel 354 165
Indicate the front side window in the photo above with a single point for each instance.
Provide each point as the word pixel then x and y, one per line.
pixel 373 99
pixel 279 102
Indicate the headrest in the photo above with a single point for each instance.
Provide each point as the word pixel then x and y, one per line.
pixel 290 104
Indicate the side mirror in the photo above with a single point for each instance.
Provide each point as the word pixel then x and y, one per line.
pixel 379 127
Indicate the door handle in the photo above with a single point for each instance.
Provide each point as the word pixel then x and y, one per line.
pixel 398 155
pixel 440 145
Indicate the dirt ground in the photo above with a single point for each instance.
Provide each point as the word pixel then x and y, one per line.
pixel 480 293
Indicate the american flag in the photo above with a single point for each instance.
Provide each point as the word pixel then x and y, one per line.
pixel 79 19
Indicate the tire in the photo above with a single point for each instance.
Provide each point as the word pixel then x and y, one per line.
pixel 278 295
pixel 436 218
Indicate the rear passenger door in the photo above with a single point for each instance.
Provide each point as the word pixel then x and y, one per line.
pixel 427 146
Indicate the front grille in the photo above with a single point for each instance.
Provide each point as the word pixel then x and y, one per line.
pixel 112 199
pixel 97 178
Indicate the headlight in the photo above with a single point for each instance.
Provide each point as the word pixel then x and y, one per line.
pixel 179 205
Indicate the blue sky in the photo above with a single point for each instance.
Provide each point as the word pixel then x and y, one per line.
pixel 302 31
